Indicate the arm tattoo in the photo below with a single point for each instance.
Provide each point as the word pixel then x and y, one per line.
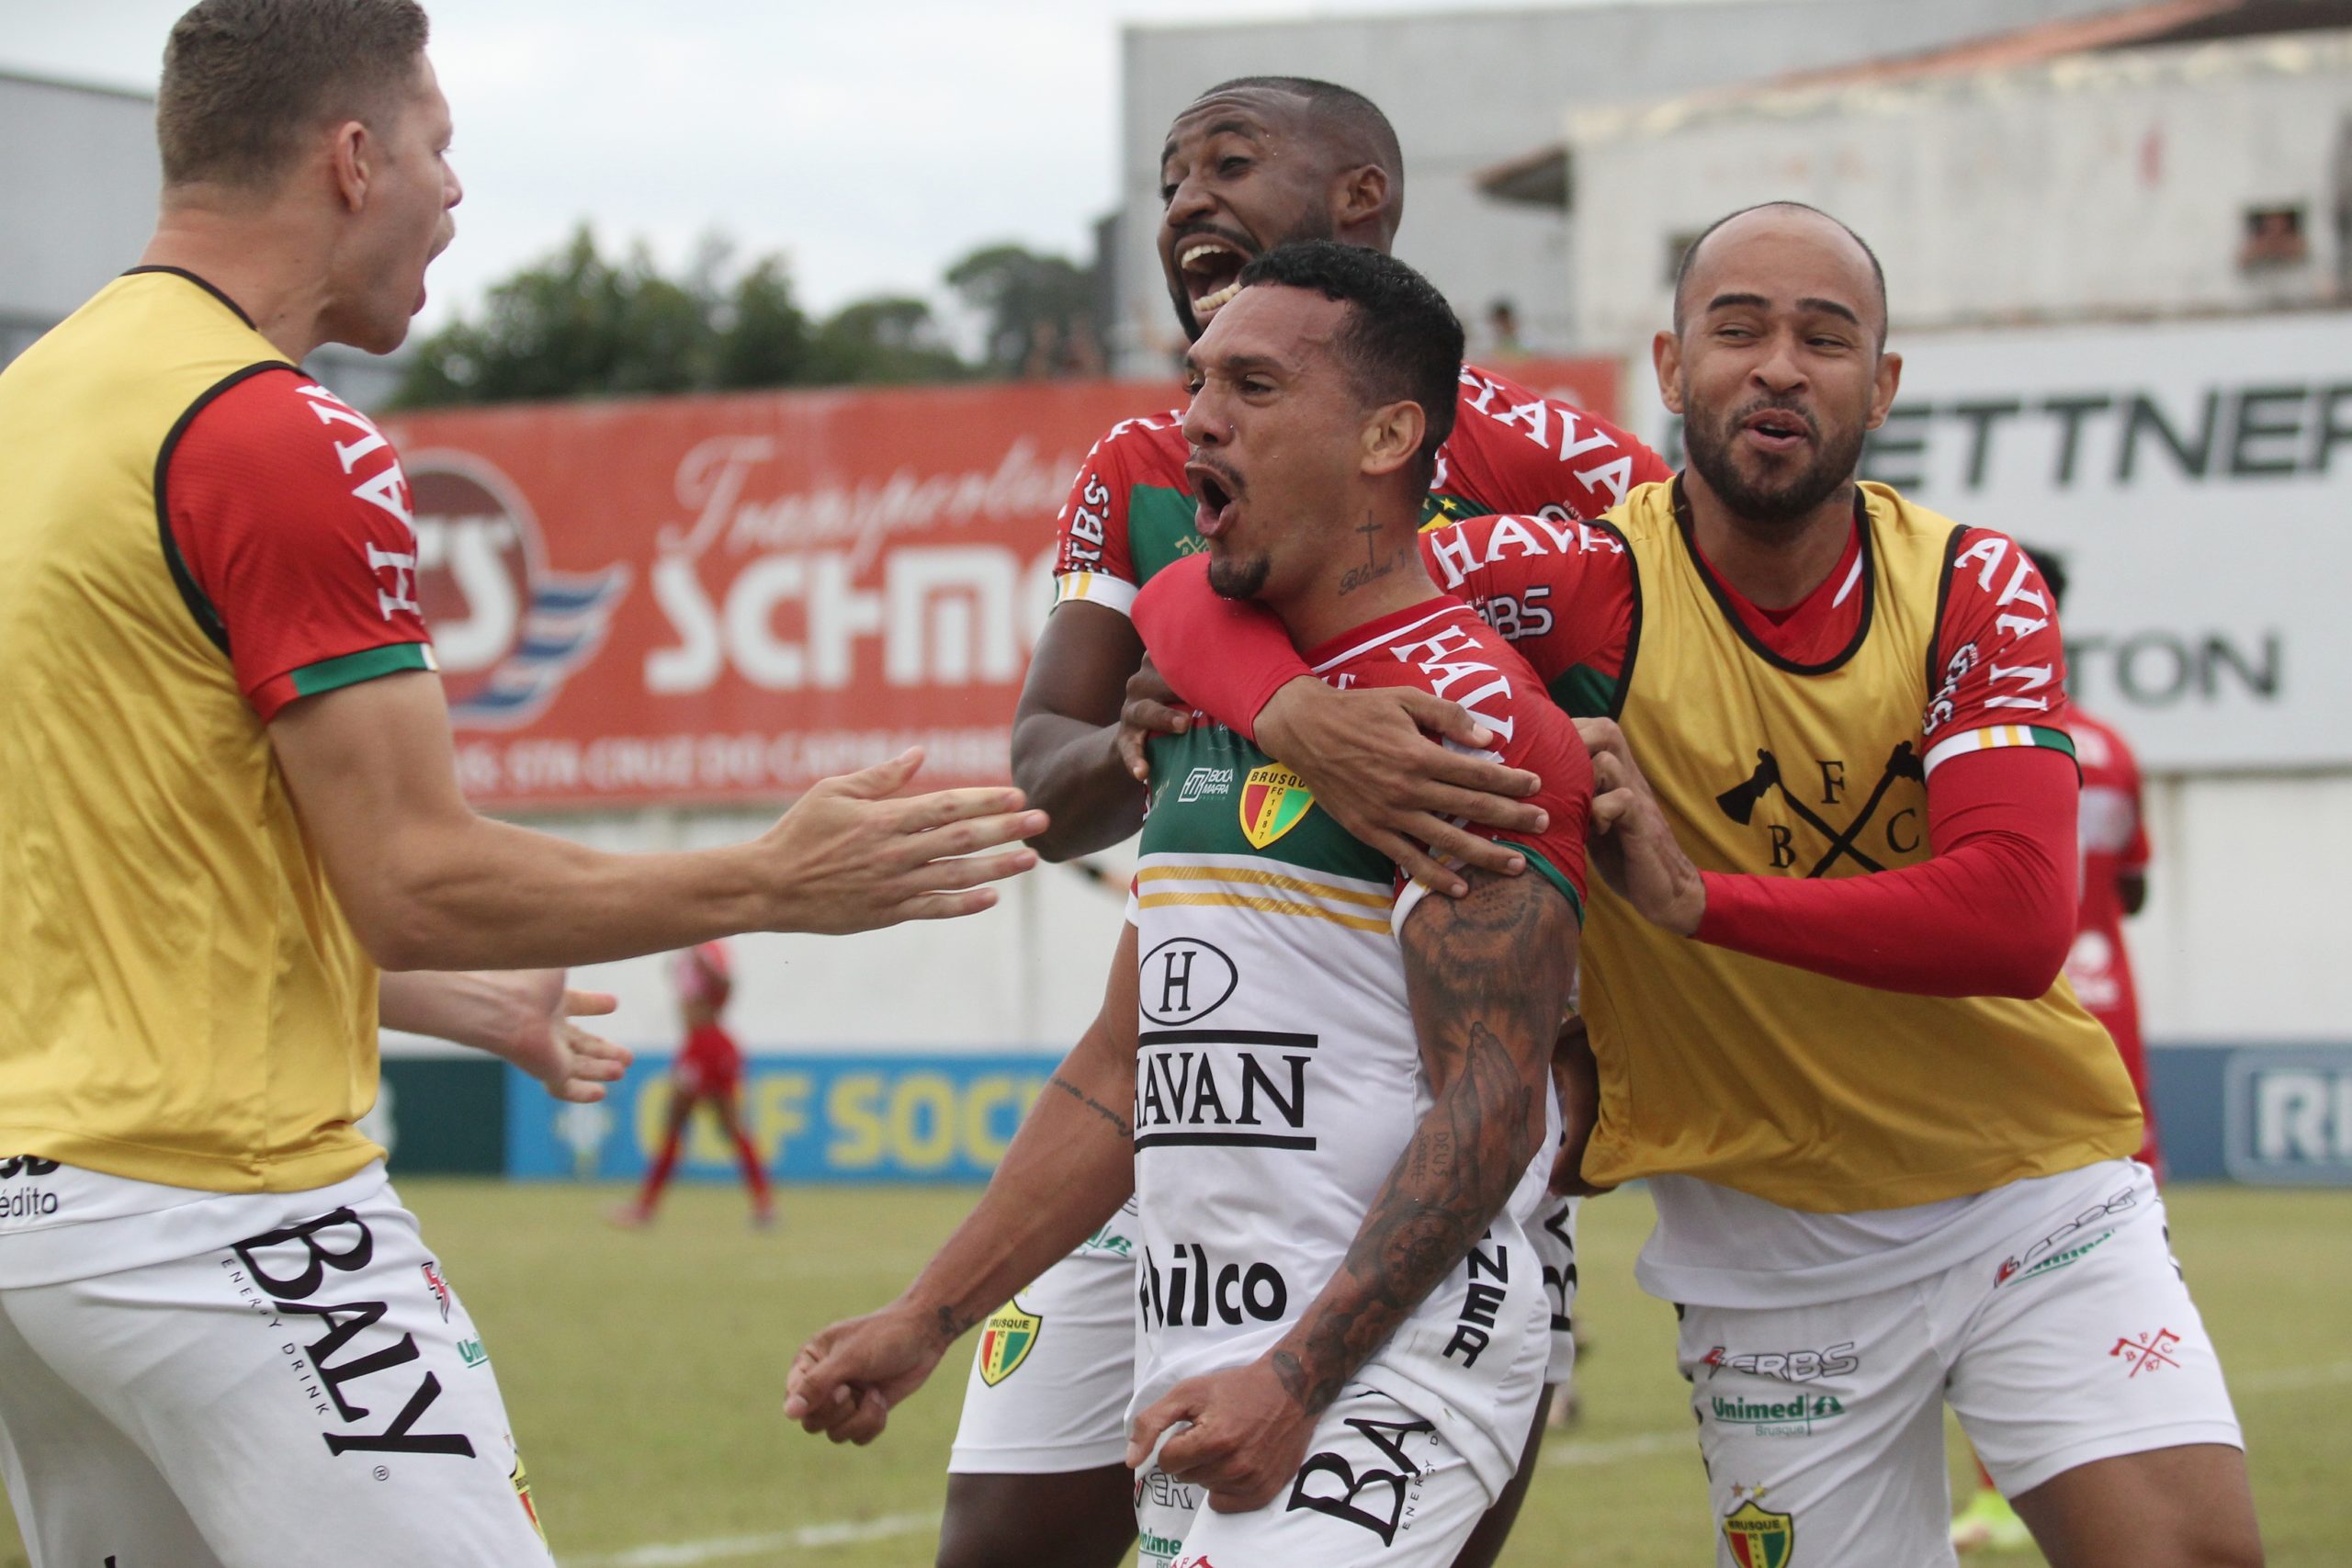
pixel 1120 1123
pixel 1489 976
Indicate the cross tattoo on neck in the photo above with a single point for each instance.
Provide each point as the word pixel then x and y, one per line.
pixel 1370 532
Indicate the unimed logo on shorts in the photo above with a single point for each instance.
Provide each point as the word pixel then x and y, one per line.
pixel 2289 1116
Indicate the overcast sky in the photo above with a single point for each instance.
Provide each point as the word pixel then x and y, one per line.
pixel 874 142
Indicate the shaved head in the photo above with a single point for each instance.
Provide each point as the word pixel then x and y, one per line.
pixel 1346 123
pixel 1746 217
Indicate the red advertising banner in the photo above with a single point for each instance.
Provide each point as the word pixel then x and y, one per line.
pixel 710 599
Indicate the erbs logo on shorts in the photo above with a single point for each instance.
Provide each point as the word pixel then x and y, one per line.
pixel 1789 1366
pixel 508 631
pixel 1185 978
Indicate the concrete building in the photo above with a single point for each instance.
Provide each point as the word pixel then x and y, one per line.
pixel 1469 89
pixel 78 184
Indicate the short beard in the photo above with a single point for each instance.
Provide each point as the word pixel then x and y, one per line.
pixel 1708 445
pixel 1238 578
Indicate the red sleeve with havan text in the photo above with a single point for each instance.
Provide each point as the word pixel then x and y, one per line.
pixel 291 514
pixel 1992 914
pixel 1226 659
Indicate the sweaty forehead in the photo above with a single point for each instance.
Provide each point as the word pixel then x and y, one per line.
pixel 1255 111
pixel 1785 254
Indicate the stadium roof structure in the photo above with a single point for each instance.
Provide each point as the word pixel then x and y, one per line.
pixel 1545 176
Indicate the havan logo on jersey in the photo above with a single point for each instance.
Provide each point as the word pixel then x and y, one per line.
pixel 1185 979
pixel 1222 1088
pixel 509 632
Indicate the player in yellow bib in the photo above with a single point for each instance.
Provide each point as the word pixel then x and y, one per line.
pixel 1890 1154
pixel 228 803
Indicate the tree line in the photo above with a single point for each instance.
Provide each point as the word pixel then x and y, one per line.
pixel 579 324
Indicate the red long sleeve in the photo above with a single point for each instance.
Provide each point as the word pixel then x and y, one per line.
pixel 1226 659
pixel 1990 915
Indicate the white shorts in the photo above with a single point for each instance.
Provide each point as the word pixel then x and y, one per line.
pixel 1380 1486
pixel 1823 1425
pixel 1048 1396
pixel 314 1393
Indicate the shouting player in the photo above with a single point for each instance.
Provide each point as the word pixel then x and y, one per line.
pixel 1035 1477
pixel 227 796
pixel 707 1073
pixel 1342 1114
pixel 1890 1154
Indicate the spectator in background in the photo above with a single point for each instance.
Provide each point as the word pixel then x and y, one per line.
pixel 710 1071
pixel 1502 332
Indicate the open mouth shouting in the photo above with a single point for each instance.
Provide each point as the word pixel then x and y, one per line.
pixel 1216 491
pixel 1210 267
pixel 1778 431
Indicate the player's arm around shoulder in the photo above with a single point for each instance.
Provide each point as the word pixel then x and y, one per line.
pixel 1068 726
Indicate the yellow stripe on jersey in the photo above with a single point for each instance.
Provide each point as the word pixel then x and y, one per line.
pixel 1250 874
pixel 1096 588
pixel 1265 906
pixel 1995 738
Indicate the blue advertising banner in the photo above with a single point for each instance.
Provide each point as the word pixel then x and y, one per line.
pixel 2269 1115
pixel 866 1117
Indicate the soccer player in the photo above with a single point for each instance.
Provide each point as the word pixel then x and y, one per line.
pixel 1035 1479
pixel 1342 1114
pixel 1891 1155
pixel 708 1072
pixel 227 798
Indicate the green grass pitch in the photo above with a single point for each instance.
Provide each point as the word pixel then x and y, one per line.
pixel 645 1371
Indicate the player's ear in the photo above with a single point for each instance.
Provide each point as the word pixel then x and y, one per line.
pixel 1665 355
pixel 351 154
pixel 1392 437
pixel 1360 197
pixel 1890 377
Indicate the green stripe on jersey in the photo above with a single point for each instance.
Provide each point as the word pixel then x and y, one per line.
pixel 1204 801
pixel 328 674
pixel 1582 691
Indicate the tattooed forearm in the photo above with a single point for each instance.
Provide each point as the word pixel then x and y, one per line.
pixel 1489 976
pixel 1120 1123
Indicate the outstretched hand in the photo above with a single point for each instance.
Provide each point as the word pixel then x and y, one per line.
pixel 575 1064
pixel 1371 760
pixel 846 1378
pixel 852 854
pixel 1632 845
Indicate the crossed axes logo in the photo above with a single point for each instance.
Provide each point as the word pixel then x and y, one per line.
pixel 1740 801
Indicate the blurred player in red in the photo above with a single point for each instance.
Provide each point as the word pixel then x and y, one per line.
pixel 2115 883
pixel 2114 842
pixel 710 1071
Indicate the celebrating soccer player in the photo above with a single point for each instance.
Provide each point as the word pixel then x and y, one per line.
pixel 1035 1478
pixel 229 799
pixel 1329 1094
pixel 1891 1155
